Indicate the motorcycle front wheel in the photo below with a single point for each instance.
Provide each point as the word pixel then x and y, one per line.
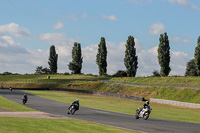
pixel 146 116
pixel 73 111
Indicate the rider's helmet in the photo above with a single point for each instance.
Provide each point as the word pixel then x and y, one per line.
pixel 77 100
pixel 147 102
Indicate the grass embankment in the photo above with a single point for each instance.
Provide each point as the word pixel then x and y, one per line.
pixel 123 105
pixel 8 105
pixel 179 94
pixel 41 81
pixel 83 82
pixel 33 125
pixel 178 80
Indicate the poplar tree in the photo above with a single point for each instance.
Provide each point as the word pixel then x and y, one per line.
pixel 197 56
pixel 130 60
pixel 101 57
pixel 76 64
pixel 164 55
pixel 53 58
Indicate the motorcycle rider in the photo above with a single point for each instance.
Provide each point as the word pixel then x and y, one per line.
pixel 25 97
pixel 76 102
pixel 146 104
pixel 10 88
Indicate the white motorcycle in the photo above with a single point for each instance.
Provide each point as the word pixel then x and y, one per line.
pixel 143 113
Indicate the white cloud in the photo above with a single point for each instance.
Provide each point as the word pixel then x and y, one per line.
pixel 178 62
pixel 185 3
pixel 13 57
pixel 58 25
pixel 157 28
pixel 178 40
pixel 9 46
pixel 15 30
pixel 6 41
pixel 111 17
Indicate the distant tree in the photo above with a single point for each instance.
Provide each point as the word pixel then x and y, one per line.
pixel 38 70
pixel 101 57
pixel 53 59
pixel 46 70
pixel 41 70
pixel 76 64
pixel 156 73
pixel 191 69
pixel 120 73
pixel 197 56
pixel 131 60
pixel 164 55
pixel 7 73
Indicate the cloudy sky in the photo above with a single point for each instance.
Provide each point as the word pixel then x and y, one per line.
pixel 29 28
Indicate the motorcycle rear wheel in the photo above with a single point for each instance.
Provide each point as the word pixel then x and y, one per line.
pixel 24 102
pixel 146 116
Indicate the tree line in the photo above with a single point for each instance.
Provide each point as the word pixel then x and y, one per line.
pixel 130 59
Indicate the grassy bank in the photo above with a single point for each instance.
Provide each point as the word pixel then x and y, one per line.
pixel 179 80
pixel 33 125
pixel 83 82
pixel 8 105
pixel 123 105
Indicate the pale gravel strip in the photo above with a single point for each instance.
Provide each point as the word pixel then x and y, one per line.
pixel 31 114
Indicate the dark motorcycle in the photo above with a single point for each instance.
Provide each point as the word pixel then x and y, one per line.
pixel 73 108
pixel 24 101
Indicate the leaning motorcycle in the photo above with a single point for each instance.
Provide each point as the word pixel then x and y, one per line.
pixel 24 101
pixel 143 113
pixel 72 109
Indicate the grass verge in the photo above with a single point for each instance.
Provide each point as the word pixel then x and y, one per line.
pixel 12 106
pixel 33 125
pixel 123 105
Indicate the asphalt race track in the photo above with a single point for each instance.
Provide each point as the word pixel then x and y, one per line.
pixel 125 121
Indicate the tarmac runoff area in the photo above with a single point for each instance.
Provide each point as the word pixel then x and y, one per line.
pixel 125 121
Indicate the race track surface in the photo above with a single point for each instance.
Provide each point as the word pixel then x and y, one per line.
pixel 126 121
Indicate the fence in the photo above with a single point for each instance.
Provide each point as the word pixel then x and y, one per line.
pixel 176 103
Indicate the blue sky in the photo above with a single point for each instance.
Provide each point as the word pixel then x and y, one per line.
pixel 29 28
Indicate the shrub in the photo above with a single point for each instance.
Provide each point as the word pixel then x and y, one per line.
pixel 120 73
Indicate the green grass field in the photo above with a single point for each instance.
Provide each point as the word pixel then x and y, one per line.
pixel 123 105
pixel 35 125
pixel 8 105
